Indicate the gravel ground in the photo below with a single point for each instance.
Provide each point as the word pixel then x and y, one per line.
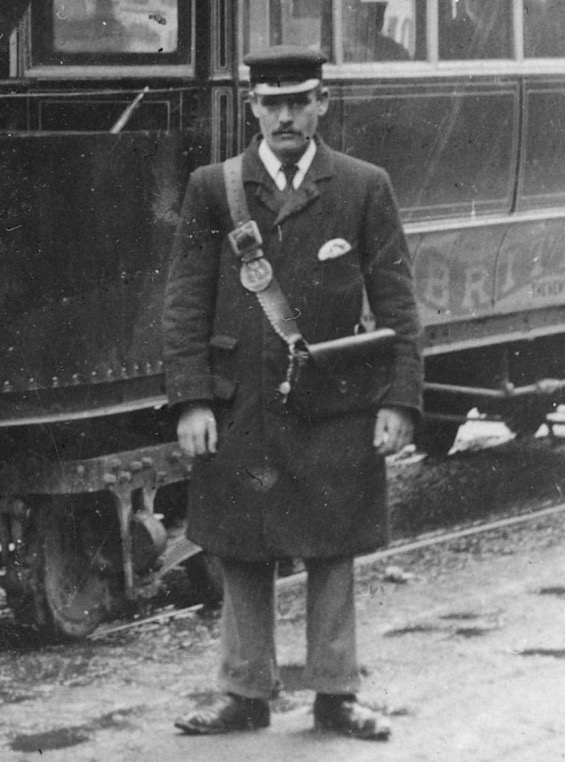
pixel 83 701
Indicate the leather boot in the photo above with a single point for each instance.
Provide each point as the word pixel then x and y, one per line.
pixel 343 714
pixel 226 714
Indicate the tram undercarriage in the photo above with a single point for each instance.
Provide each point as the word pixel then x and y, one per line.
pixel 82 538
pixel 519 383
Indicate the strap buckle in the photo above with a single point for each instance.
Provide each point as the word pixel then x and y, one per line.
pixel 297 356
pixel 246 241
pixel 299 350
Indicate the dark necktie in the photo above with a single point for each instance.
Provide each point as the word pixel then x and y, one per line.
pixel 289 171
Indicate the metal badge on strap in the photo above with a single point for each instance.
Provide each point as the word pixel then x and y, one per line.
pixel 256 273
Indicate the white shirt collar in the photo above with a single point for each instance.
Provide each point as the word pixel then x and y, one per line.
pixel 273 165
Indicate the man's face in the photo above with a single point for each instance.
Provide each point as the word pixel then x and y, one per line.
pixel 288 122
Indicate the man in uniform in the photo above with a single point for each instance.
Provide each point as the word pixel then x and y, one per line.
pixel 273 478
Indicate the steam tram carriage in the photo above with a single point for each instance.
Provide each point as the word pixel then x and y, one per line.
pixel 105 108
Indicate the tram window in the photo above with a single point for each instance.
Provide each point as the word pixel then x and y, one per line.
pixel 544 28
pixel 471 29
pixel 375 31
pixel 369 30
pixel 288 22
pixel 111 31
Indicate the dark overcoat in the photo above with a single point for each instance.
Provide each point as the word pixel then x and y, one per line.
pixel 282 484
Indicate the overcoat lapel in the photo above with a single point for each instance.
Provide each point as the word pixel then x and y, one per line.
pixel 299 200
pixel 254 173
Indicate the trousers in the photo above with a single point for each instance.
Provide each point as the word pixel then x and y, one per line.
pixel 248 663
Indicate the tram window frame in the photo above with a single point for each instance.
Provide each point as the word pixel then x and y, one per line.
pixel 338 69
pixel 44 61
pixel 334 46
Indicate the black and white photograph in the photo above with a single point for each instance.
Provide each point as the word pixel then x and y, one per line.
pixel 282 380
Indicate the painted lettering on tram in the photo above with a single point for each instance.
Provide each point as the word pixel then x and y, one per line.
pixel 471 273
pixel 531 266
pixel 475 287
pixel 545 289
pixel 434 287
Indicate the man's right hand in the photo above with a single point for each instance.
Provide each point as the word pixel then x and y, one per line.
pixel 197 431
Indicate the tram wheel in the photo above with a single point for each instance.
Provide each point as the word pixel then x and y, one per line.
pixel 71 558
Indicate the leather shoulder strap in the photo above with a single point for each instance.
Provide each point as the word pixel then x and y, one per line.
pixel 271 299
pixel 235 191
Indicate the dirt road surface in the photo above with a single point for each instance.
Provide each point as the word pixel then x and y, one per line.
pixel 464 647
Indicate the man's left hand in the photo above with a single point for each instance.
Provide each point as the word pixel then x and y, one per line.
pixel 394 429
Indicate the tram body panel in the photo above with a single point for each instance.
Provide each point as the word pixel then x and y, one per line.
pixel 530 273
pixel 476 273
pixel 542 183
pixel 450 148
pixel 84 255
pixel 454 272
